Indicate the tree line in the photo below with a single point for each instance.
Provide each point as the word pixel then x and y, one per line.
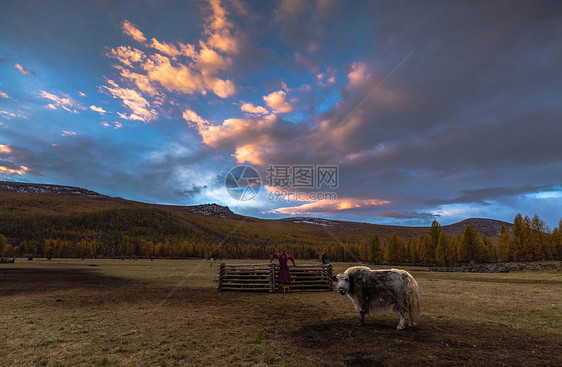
pixel 529 240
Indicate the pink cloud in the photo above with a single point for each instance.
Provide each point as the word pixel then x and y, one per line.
pixel 97 109
pixel 250 108
pixel 358 75
pixel 131 30
pixel 23 70
pixel 133 100
pixel 331 206
pixel 63 101
pixel 277 102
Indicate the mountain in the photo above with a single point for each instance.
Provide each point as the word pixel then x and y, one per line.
pixel 35 213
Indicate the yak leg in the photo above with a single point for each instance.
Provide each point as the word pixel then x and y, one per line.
pixel 412 322
pixel 361 321
pixel 402 322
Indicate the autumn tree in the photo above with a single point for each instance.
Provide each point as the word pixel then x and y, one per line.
pixel 375 250
pixel 394 249
pixel 470 247
pixel 504 253
pixel 442 251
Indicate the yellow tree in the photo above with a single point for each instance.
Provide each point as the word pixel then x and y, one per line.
pixel 503 245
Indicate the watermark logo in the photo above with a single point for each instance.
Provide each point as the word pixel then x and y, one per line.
pixel 302 176
pixel 243 182
pixel 287 182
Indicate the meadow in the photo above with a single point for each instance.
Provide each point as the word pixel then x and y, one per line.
pixel 94 312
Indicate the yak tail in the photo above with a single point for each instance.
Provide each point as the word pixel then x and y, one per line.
pixel 414 300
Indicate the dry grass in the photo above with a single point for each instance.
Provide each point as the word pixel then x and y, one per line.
pixel 168 313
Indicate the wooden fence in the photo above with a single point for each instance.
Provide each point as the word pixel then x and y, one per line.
pixel 263 277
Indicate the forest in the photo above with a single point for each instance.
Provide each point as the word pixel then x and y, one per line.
pixel 86 227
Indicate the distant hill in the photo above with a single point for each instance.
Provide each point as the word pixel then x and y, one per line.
pixel 37 212
pixel 488 227
pixel 27 188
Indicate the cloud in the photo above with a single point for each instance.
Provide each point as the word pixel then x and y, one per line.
pixel 126 55
pixel 166 48
pixel 220 30
pixel 194 120
pixel 253 138
pixel 66 133
pixel 277 102
pixel 131 30
pixel 331 206
pixel 133 100
pixel 194 191
pixel 82 94
pixel 358 75
pixel 5 149
pixel 250 108
pixel 10 169
pixel 23 70
pixel 116 124
pixel 63 101
pixel 97 109
pixel 4 95
pixel 9 115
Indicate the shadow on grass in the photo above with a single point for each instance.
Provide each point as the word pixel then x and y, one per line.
pixel 432 343
pixel 38 280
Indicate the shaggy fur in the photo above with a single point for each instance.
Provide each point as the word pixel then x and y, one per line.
pixel 372 290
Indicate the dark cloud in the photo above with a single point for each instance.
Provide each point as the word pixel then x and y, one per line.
pixel 406 214
pixel 193 192
pixel 485 195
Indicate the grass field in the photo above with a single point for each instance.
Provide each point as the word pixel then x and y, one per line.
pixel 168 313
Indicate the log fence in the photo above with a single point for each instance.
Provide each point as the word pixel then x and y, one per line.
pixel 263 277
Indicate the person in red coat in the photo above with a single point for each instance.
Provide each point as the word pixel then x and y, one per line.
pixel 284 275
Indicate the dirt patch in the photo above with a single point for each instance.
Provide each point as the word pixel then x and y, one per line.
pixel 435 343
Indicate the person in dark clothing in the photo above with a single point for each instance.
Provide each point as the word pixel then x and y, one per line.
pixel 325 258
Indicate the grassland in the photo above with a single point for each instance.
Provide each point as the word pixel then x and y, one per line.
pixel 168 313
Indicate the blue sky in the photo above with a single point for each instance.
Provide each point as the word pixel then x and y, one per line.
pixel 435 110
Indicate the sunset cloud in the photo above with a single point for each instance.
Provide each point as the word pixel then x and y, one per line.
pixel 358 75
pixel 139 106
pixel 194 119
pixel 127 55
pixel 277 102
pixel 63 101
pixel 332 206
pixel 98 109
pixel 4 95
pixel 219 30
pixel 23 70
pixel 67 132
pixel 22 170
pixel 131 30
pixel 116 124
pixel 5 149
pixel 250 108
pixel 166 48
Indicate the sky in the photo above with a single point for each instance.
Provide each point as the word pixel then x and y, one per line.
pixel 420 110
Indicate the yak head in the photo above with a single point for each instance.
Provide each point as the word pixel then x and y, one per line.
pixel 343 285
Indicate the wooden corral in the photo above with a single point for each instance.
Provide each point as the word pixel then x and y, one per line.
pixel 263 277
